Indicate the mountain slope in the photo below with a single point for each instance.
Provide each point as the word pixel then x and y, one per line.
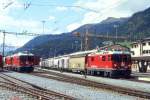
pixel 53 45
pixel 106 26
pixel 138 23
pixel 8 49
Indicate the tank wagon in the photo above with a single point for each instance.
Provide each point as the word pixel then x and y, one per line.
pixel 22 62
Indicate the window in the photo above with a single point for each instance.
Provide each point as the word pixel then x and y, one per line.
pixel 148 43
pixel 143 44
pixel 99 58
pixel 135 45
pixel 92 59
pixel 109 57
pixel 146 51
pixel 103 58
pixel 133 53
pixel 116 58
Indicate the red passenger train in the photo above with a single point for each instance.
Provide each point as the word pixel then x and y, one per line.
pixel 22 62
pixel 109 63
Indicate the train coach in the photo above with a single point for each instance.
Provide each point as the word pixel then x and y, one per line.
pixel 22 62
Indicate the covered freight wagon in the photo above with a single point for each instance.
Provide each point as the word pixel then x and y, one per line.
pixel 77 61
pixel 63 62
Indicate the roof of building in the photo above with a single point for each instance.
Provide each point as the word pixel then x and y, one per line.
pixel 142 40
pixel 115 47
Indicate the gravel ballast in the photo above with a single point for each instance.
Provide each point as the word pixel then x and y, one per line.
pixel 77 91
pixel 6 94
pixel 145 87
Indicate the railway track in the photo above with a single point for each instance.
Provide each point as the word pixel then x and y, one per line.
pixel 31 89
pixel 137 74
pixel 84 82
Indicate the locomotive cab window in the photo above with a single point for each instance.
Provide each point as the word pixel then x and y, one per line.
pixel 109 57
pixel 116 58
pixel 103 58
pixel 92 59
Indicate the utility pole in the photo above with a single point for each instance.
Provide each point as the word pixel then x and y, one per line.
pixel 4 43
pixel 43 22
pixel 81 45
pixel 107 35
pixel 116 26
pixel 86 39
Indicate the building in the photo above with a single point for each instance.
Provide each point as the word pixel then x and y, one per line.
pixel 141 48
pixel 141 54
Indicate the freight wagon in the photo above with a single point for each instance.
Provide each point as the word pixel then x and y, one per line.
pixel 63 62
pixel 77 61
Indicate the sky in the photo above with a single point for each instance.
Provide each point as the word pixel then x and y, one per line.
pixel 59 16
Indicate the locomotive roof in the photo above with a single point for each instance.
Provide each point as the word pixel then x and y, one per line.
pixel 103 52
pixel 142 40
pixel 62 56
pixel 82 53
pixel 23 54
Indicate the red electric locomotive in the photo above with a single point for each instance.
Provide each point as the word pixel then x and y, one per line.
pixel 1 60
pixel 8 61
pixel 109 63
pixel 22 62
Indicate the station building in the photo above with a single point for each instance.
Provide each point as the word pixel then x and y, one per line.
pixel 140 52
pixel 141 48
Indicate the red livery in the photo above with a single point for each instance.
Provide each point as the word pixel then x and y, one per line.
pixel 22 62
pixel 1 60
pixel 109 63
pixel 8 60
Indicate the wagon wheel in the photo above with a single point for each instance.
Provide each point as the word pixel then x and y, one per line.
pixel 106 74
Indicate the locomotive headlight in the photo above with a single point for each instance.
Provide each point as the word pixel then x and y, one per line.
pixel 129 65
pixel 115 65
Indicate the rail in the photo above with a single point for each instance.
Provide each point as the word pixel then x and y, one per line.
pixel 36 91
pixel 84 82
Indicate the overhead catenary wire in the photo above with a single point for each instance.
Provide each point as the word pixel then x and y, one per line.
pixel 27 5
pixel 19 33
pixel 7 5
pixel 68 6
